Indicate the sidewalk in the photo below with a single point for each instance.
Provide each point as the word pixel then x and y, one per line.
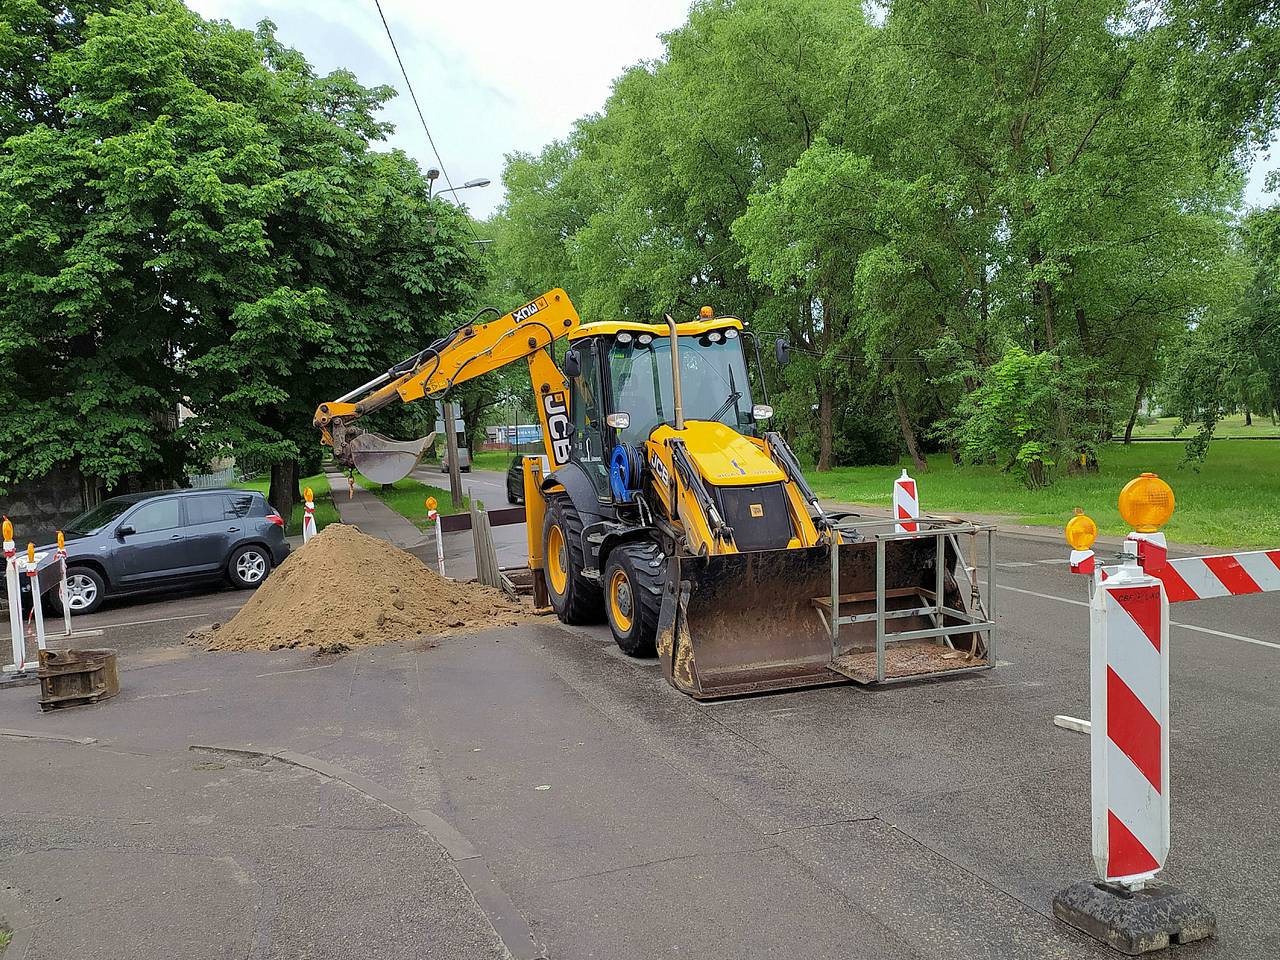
pixel 372 516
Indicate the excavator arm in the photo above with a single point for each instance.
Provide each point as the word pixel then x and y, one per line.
pixel 463 354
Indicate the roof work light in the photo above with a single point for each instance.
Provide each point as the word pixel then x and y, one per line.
pixel 1146 503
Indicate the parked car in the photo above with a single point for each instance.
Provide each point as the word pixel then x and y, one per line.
pixel 167 539
pixel 515 480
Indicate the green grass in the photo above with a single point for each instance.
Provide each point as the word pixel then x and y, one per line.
pixel 5 937
pixel 1232 501
pixel 1232 426
pixel 490 460
pixel 407 497
pixel 326 512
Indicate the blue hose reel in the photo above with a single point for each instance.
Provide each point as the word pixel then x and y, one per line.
pixel 625 468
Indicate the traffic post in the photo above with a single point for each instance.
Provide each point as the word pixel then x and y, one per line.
pixel 62 585
pixel 308 514
pixel 33 581
pixel 13 593
pixel 906 504
pixel 434 516
pixel 1126 907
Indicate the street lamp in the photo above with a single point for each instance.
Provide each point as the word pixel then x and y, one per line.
pixel 478 182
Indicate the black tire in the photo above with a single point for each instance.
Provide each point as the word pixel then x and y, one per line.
pixel 86 590
pixel 633 580
pixel 579 601
pixel 249 566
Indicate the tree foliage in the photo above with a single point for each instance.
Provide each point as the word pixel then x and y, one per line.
pixel 190 215
pixel 924 206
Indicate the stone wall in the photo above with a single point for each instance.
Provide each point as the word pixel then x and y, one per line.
pixel 39 507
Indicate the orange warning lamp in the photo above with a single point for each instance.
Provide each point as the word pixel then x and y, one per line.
pixel 1081 531
pixel 8 529
pixel 31 554
pixel 308 495
pixel 706 313
pixel 62 541
pixel 431 503
pixel 1146 503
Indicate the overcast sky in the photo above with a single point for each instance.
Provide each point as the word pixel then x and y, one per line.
pixel 493 76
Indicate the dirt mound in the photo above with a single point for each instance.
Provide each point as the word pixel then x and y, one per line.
pixel 346 589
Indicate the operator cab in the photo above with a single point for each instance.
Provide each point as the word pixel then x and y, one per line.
pixel 622 384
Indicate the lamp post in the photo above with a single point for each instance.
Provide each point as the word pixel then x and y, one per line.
pixel 470 184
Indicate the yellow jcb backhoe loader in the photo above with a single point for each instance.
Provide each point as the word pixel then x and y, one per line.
pixel 662 506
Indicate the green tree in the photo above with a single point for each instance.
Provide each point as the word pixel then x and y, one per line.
pixel 200 219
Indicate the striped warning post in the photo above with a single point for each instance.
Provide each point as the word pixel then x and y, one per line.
pixel 906 504
pixel 1129 692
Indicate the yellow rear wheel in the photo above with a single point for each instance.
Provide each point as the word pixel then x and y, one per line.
pixel 575 598
pixel 557 562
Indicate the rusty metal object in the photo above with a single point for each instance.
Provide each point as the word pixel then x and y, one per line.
pixel 747 623
pixel 73 677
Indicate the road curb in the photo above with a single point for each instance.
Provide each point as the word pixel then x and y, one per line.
pixel 507 921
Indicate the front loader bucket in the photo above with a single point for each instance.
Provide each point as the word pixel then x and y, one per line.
pixel 749 622
pixel 384 460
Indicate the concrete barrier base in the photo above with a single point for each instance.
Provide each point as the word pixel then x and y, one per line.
pixel 1134 921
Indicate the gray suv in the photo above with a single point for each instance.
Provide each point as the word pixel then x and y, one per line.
pixel 165 539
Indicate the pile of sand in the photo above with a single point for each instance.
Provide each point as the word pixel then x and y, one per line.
pixel 346 589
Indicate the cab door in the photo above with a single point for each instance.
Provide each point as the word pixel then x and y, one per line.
pixel 587 410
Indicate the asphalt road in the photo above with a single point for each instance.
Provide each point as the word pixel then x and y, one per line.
pixel 625 820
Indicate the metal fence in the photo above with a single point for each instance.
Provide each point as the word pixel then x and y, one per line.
pixel 204 481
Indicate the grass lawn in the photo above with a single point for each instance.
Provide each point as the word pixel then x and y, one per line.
pixel 490 460
pixel 326 512
pixel 1232 501
pixel 1232 426
pixel 407 497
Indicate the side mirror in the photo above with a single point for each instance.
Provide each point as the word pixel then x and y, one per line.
pixel 782 351
pixel 125 531
pixel 572 363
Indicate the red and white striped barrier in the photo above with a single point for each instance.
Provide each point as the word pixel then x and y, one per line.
pixel 906 504
pixel 1129 694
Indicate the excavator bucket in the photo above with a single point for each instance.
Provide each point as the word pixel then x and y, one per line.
pixel 750 622
pixel 384 460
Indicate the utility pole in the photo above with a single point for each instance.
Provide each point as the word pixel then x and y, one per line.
pixel 450 418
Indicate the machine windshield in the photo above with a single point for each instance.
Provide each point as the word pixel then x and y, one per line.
pixel 713 380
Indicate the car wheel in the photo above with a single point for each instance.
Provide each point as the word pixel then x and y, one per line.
pixel 85 591
pixel 249 566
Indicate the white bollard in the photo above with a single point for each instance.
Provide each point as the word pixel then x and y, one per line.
pixel 37 608
pixel 434 516
pixel 62 585
pixel 308 515
pixel 13 591
pixel 906 504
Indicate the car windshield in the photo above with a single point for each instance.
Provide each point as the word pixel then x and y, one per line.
pixel 713 380
pixel 95 519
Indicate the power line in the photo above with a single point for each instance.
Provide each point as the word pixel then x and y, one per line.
pixel 418 107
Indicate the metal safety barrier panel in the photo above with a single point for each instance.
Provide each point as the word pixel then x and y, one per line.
pixel 1129 694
